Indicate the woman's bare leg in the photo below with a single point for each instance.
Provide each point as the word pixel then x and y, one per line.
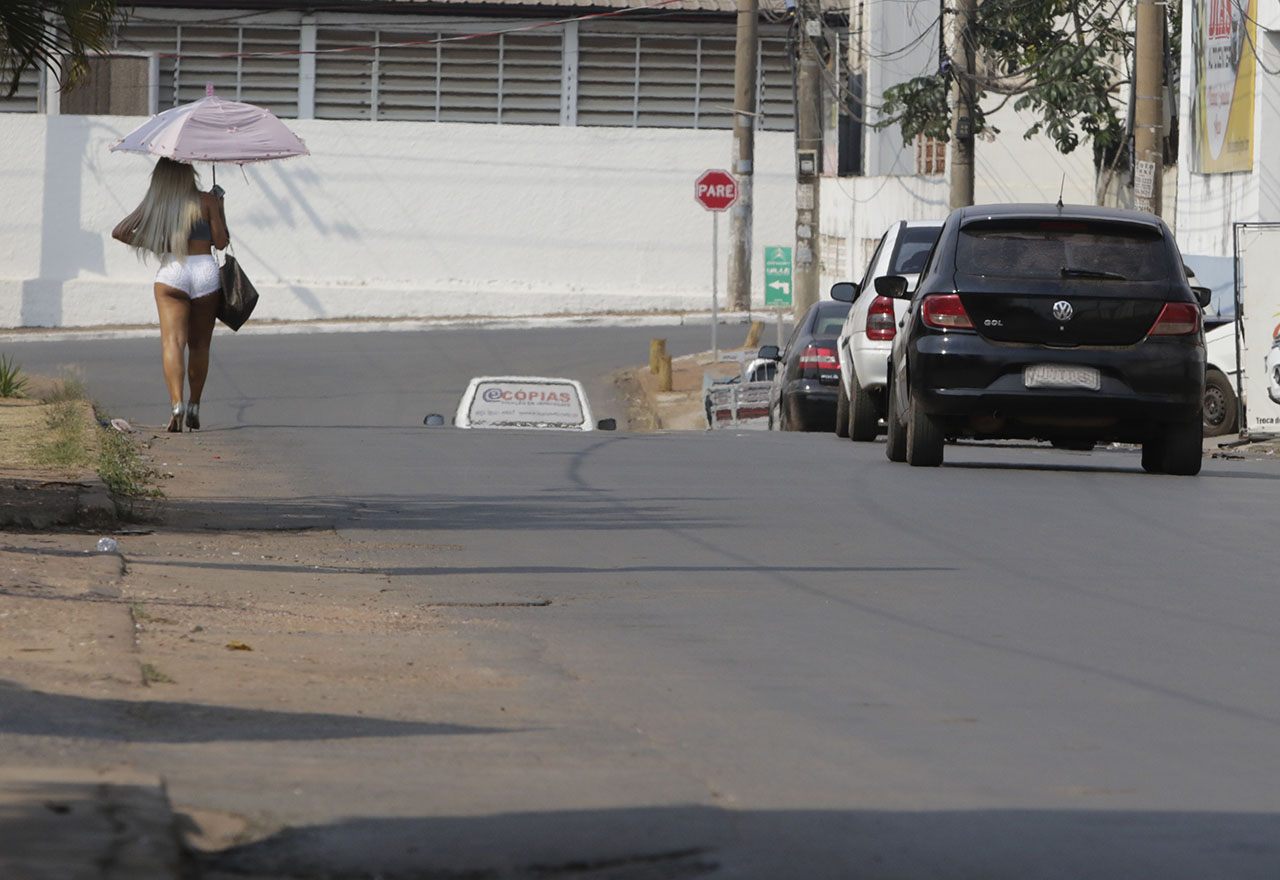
pixel 174 308
pixel 200 323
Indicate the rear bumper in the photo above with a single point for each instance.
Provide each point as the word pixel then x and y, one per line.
pixel 980 389
pixel 871 361
pixel 811 400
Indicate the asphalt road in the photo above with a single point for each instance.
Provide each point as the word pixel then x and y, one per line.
pixel 756 654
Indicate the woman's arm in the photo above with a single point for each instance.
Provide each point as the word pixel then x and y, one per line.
pixel 125 228
pixel 217 220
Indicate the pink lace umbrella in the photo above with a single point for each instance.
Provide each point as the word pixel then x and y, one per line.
pixel 214 130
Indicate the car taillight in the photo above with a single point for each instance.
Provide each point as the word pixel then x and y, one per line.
pixel 946 312
pixel 815 360
pixel 1177 319
pixel 880 319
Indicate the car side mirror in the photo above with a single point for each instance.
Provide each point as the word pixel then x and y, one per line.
pixel 1203 295
pixel 892 286
pixel 769 353
pixel 844 291
pixel 607 425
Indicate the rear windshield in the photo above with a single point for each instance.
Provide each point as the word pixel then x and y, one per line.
pixel 830 318
pixel 829 325
pixel 1058 249
pixel 913 248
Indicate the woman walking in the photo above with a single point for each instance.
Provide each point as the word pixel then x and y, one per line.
pixel 180 226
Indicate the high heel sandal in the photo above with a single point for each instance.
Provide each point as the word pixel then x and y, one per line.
pixel 175 420
pixel 193 417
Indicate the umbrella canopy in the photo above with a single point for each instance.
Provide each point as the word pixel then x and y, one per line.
pixel 214 130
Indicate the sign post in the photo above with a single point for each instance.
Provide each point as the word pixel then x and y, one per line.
pixel 715 189
pixel 777 281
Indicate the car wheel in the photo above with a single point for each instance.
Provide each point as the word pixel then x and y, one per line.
pixel 896 439
pixel 1183 449
pixel 863 418
pixel 924 437
pixel 1153 455
pixel 795 418
pixel 1220 409
pixel 842 412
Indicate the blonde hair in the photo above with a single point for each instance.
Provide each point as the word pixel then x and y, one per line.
pixel 168 211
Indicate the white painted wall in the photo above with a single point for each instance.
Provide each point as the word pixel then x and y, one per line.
pixel 896 53
pixel 1008 168
pixel 1208 204
pixel 393 219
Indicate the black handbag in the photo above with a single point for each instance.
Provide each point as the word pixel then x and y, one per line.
pixel 239 296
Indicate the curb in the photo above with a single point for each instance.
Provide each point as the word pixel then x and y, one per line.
pixel 85 824
pixel 94 507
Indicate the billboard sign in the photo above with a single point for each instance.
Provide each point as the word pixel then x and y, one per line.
pixel 1224 52
pixel 1258 310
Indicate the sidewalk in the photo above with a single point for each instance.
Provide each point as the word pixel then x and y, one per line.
pixel 61 610
pixel 59 823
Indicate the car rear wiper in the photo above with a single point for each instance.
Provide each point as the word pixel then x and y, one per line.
pixel 1068 272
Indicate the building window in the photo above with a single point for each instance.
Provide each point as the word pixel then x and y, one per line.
pixel 931 155
pixel 27 98
pixel 377 68
pixel 254 64
pixel 833 252
pixel 434 76
pixel 675 81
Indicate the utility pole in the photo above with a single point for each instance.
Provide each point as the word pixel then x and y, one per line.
pixel 808 152
pixel 1148 110
pixel 744 145
pixel 964 65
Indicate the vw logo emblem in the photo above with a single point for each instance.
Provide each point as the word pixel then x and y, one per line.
pixel 1062 310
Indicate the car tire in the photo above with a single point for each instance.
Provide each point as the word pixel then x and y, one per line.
pixel 1221 410
pixel 863 418
pixel 895 446
pixel 1183 449
pixel 924 437
pixel 795 420
pixel 842 411
pixel 1153 455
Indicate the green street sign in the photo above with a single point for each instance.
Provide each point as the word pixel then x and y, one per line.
pixel 777 276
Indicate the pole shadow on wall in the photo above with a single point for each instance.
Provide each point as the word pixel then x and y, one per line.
pixel 66 144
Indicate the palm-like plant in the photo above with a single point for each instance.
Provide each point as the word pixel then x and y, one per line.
pixel 45 32
pixel 12 382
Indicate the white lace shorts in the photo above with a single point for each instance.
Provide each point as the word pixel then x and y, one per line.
pixel 197 277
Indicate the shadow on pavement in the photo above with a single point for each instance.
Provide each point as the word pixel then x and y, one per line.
pixel 457 513
pixel 35 713
pixel 695 841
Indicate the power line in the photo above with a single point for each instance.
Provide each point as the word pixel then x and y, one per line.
pixel 449 39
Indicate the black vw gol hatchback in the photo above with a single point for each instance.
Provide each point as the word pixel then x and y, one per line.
pixel 1075 325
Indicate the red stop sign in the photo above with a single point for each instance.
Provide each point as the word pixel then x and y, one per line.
pixel 715 189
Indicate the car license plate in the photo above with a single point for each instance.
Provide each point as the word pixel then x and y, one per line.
pixel 1062 376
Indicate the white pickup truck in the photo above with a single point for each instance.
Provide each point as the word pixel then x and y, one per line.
pixel 1221 406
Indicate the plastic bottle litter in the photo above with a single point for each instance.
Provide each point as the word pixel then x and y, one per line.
pixel 108 545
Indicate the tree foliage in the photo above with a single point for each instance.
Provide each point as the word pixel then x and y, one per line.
pixel 1063 60
pixel 35 33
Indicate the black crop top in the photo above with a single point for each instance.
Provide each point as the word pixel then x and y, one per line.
pixel 201 231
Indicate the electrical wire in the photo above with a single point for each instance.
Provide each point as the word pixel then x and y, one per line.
pixel 1254 48
pixel 450 39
